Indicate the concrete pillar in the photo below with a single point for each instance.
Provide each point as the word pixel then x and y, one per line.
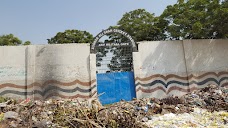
pixel 93 81
pixel 30 70
pixel 137 71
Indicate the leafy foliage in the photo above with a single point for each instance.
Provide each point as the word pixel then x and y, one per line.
pixel 141 25
pixel 27 43
pixel 196 19
pixel 121 60
pixel 114 58
pixel 71 36
pixel 9 39
pixel 100 53
pixel 221 20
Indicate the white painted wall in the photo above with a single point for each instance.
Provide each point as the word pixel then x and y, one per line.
pixel 62 62
pixel 25 65
pixel 161 57
pixel 12 69
pixel 36 67
pixel 175 63
pixel 206 55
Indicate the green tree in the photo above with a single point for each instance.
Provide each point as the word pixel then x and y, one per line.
pixel 9 40
pixel 71 36
pixel 27 43
pixel 196 19
pixel 141 25
pixel 220 22
pixel 121 60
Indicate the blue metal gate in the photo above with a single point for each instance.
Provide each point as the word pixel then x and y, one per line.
pixel 112 87
pixel 115 77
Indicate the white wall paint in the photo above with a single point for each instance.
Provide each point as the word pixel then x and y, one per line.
pixel 62 62
pixel 161 57
pixel 206 55
pixel 23 65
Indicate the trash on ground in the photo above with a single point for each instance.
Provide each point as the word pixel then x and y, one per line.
pixel 206 107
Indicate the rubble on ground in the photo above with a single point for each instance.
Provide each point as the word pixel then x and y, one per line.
pixel 206 107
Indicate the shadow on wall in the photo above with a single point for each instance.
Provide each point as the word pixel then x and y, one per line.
pixel 163 67
pixel 26 73
pixel 46 71
pixel 178 67
pixel 57 73
pixel 44 86
pixel 167 68
pixel 207 62
pixel 162 58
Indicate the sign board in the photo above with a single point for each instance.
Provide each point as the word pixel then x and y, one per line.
pixel 109 31
pixel 112 44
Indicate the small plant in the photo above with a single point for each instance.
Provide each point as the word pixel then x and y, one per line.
pixel 3 99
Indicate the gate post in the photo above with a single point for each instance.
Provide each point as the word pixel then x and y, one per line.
pixel 93 82
pixel 137 72
pixel 30 71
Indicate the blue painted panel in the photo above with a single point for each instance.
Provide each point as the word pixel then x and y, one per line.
pixel 115 86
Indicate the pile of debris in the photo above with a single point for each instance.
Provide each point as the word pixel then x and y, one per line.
pixel 70 113
pixel 212 97
pixel 211 102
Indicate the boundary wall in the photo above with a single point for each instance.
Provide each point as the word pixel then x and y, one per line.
pixel 164 68
pixel 161 68
pixel 45 71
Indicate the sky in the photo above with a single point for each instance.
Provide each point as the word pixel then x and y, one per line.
pixel 39 20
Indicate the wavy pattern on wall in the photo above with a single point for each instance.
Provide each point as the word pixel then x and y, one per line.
pixel 51 88
pixel 169 83
pixel 153 85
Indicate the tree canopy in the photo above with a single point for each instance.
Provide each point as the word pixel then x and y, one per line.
pixel 187 19
pixel 196 19
pixel 141 25
pixel 71 36
pixel 11 40
pixel 27 43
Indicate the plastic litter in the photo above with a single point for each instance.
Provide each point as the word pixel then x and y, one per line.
pixel 206 107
